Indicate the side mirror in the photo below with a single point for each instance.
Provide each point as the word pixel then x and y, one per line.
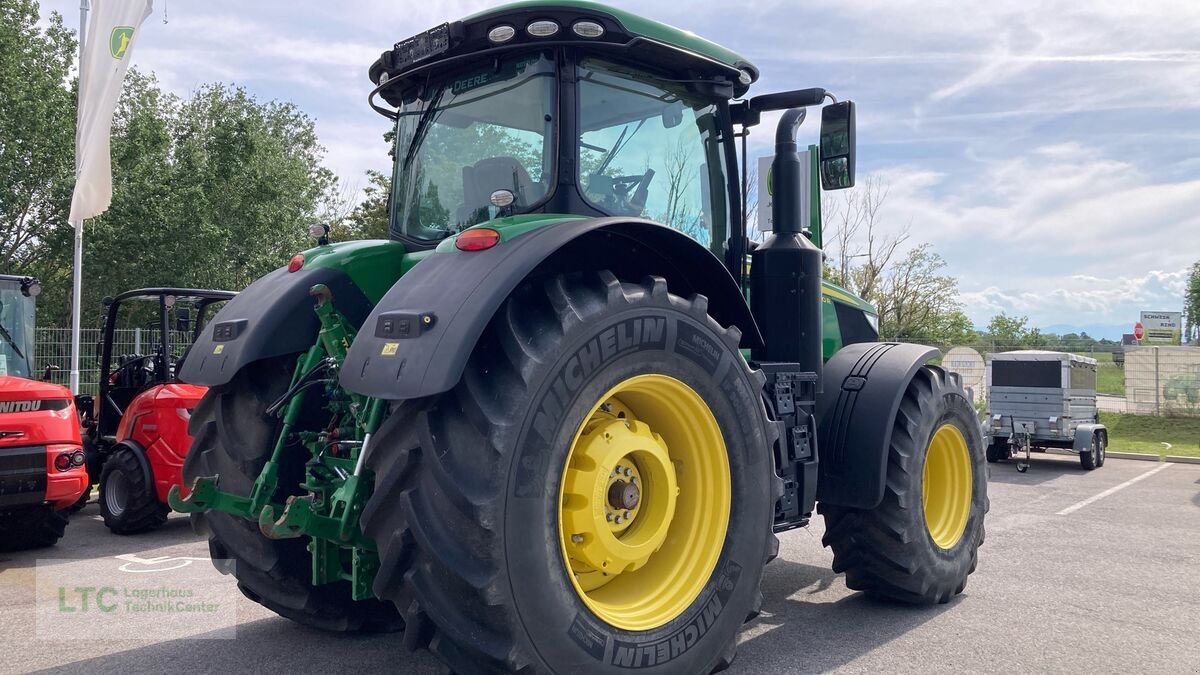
pixel 183 319
pixel 837 146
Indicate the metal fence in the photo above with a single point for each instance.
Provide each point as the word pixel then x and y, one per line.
pixel 1162 380
pixel 52 349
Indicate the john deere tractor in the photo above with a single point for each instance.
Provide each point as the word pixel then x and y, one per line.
pixel 555 423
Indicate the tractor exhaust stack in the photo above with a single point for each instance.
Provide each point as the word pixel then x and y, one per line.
pixel 785 272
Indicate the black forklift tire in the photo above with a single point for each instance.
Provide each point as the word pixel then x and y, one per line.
pixel 128 502
pixel 1089 458
pixel 890 551
pixel 469 506
pixel 232 438
pixel 29 528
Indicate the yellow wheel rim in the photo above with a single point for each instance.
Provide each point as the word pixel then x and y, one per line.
pixel 947 486
pixel 644 503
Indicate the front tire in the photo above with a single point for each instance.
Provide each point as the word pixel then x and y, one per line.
pixel 233 439
pixel 480 509
pixel 128 502
pixel 921 542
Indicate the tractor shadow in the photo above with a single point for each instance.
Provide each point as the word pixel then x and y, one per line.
pixel 270 645
pixel 818 636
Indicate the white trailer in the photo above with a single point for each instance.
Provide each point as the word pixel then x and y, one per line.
pixel 1041 399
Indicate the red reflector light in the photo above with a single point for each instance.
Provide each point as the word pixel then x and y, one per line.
pixel 63 461
pixel 296 262
pixel 477 240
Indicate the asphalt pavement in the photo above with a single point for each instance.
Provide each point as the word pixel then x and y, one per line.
pixel 1091 572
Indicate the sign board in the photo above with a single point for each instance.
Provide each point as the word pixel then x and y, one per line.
pixel 766 191
pixel 1161 328
pixel 1139 331
pixel 969 365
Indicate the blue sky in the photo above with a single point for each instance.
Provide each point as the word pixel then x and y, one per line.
pixel 1048 150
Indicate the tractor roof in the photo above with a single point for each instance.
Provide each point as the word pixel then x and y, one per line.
pixel 641 40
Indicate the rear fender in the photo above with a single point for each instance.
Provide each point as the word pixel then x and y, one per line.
pixel 1083 436
pixel 417 340
pixel 272 317
pixel 864 385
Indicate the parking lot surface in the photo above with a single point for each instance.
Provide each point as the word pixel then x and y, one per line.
pixel 1081 572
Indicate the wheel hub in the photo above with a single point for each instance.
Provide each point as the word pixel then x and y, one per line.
pixel 620 493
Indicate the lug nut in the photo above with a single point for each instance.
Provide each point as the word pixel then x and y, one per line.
pixel 627 471
pixel 626 515
pixel 608 517
pixel 618 520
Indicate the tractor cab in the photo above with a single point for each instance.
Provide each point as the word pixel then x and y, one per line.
pixel 573 109
pixel 17 297
pixel 140 414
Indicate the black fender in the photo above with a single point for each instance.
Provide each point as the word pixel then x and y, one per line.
pixel 417 340
pixel 864 385
pixel 140 453
pixel 1083 436
pixel 272 317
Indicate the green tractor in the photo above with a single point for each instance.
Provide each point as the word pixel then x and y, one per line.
pixel 555 423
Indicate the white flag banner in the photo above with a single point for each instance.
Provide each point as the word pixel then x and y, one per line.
pixel 111 33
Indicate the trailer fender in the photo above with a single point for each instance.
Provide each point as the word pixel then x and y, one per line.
pixel 417 340
pixel 864 385
pixel 272 317
pixel 1083 436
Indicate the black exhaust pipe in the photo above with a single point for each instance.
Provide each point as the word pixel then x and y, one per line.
pixel 785 272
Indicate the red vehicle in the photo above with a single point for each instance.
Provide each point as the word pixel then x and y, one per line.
pixel 136 430
pixel 41 459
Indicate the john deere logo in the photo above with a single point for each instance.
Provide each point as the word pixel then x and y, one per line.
pixel 118 43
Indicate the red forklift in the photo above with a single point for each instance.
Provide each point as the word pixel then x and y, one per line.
pixel 136 427
pixel 41 458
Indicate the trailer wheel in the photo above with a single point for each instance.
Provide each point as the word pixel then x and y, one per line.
pixel 233 439
pixel 997 451
pixel 595 494
pixel 921 542
pixel 1101 448
pixel 1090 459
pixel 128 502
pixel 36 527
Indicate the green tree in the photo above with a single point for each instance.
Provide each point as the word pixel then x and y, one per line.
pixel 37 132
pixel 215 190
pixel 915 300
pixel 1191 303
pixel 1008 332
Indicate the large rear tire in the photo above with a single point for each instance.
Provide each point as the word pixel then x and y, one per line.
pixel 128 502
pixel 495 507
pixel 34 527
pixel 233 439
pixel 920 543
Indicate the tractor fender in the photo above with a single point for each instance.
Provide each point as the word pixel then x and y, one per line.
pixel 272 317
pixel 864 385
pixel 417 340
pixel 1083 436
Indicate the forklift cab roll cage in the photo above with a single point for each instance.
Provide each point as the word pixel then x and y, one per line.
pixel 114 397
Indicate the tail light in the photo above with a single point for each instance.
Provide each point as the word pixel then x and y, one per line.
pixel 479 239
pixel 69 457
pixel 296 263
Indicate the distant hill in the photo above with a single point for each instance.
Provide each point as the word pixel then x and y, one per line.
pixel 1097 331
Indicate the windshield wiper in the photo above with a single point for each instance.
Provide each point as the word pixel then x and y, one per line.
pixel 9 339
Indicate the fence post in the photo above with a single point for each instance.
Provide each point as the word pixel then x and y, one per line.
pixel 1157 393
pixel 137 340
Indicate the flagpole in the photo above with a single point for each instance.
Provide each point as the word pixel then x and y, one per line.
pixel 77 273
